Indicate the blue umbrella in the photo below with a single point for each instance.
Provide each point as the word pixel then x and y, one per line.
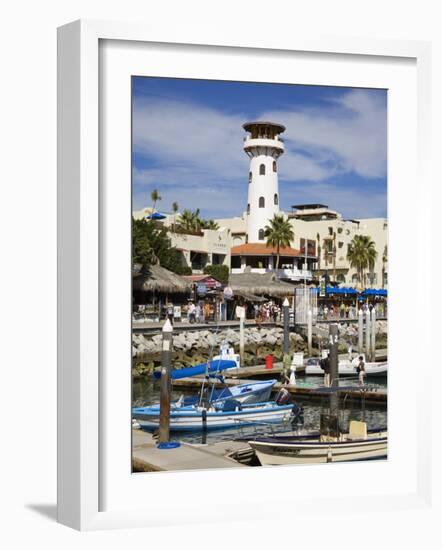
pixel 155 216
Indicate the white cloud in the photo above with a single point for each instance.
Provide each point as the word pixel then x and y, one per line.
pixel 189 138
pixel 194 153
pixel 348 136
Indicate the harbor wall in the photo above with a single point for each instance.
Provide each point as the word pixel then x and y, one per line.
pixel 194 347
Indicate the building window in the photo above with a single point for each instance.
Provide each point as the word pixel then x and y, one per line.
pixel 247 239
pixel 339 229
pixel 340 278
pixel 262 169
pixel 274 166
pixel 340 244
pixel 275 198
pixel 330 231
pixel 250 177
pixel 354 278
pixel 261 203
pixel 261 235
pixel 248 209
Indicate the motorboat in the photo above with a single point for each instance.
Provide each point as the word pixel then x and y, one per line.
pixel 357 444
pixel 348 367
pixel 209 368
pixel 230 414
pixel 254 392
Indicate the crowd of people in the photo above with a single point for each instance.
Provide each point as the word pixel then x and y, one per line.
pixel 201 312
pixel 268 311
pixel 349 311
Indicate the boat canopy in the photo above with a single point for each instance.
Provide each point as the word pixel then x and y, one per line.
pixel 204 368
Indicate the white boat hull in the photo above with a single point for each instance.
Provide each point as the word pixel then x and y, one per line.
pixel 348 369
pixel 315 452
pixel 198 418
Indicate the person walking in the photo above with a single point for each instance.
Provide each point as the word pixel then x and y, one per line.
pixel 169 309
pixel 275 313
pixel 342 310
pixel 191 312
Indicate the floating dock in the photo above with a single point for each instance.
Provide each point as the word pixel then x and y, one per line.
pixel 146 457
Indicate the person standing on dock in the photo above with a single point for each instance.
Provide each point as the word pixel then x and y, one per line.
pixel 207 312
pixel 325 365
pixel 361 370
pixel 198 313
pixel 259 317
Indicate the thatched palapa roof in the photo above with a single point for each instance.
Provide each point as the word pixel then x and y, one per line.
pixel 159 279
pixel 258 284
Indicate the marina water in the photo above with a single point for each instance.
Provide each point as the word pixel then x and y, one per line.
pixel 146 392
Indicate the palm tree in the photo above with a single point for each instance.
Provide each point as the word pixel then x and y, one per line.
pixel 155 196
pixel 190 221
pixel 318 238
pixel 175 208
pixel 279 233
pixel 384 261
pixel 361 254
pixel 209 224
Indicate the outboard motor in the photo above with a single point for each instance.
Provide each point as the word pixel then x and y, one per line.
pixel 298 414
pixel 283 397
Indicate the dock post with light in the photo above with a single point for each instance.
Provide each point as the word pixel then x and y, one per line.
pixel 286 314
pixel 165 388
pixel 334 369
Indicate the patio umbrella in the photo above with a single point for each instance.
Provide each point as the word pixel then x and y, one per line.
pixel 155 216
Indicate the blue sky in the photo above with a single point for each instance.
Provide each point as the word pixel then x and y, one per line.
pixel 187 143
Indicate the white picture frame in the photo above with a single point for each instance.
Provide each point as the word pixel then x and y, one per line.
pixel 83 297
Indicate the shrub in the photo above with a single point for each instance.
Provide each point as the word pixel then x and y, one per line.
pixel 219 272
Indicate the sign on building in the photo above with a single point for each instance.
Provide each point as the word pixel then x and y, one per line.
pixel 201 289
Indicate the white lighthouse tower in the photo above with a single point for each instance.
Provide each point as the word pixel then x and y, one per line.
pixel 263 146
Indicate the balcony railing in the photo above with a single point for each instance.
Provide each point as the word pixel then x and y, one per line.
pixel 293 274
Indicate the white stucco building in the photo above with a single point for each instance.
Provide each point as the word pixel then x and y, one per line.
pixel 198 248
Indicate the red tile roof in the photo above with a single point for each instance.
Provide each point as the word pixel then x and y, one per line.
pixel 260 249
